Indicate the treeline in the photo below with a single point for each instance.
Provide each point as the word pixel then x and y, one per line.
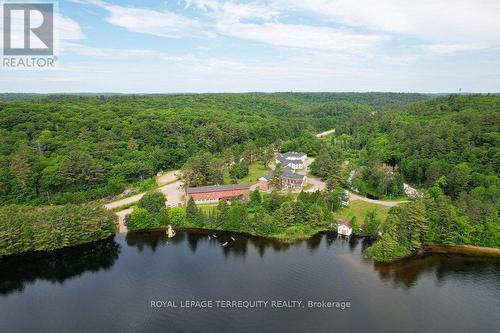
pixel 450 146
pixel 452 142
pixel 264 214
pixel 25 228
pixel 376 100
pixel 431 220
pixel 61 149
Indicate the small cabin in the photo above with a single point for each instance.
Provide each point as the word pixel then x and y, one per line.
pixel 344 227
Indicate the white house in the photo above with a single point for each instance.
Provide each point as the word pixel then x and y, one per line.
pixel 293 160
pixel 344 227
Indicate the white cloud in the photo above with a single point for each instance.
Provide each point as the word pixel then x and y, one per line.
pixel 236 11
pixel 302 36
pixel 146 21
pixel 438 20
pixel 449 48
pixel 113 53
pixel 230 19
pixel 68 29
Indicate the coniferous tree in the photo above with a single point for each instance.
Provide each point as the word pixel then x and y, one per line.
pixel 255 198
pixel 277 178
pixel 192 212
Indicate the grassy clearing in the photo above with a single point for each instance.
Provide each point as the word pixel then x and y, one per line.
pixel 205 208
pixel 255 171
pixel 359 209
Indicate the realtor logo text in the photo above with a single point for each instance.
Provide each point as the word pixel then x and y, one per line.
pixel 28 35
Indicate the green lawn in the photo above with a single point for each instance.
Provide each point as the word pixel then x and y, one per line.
pixel 207 207
pixel 359 209
pixel 255 171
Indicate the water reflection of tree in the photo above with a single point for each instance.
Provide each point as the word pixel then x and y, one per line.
pixel 233 245
pixel 405 273
pixel 56 266
pixel 152 239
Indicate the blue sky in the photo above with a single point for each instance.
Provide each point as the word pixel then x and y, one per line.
pixel 274 45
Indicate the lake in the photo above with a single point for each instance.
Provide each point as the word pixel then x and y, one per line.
pixel 132 283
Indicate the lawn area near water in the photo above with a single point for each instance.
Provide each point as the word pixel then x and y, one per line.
pixel 359 209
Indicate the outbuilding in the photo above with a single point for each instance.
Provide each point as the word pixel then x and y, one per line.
pixel 344 227
pixel 215 193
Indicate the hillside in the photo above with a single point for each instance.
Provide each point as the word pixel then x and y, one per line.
pixel 449 147
pixel 74 148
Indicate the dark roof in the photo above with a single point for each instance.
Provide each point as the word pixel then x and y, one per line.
pixel 293 155
pixel 345 222
pixel 215 188
pixel 287 173
pixel 285 161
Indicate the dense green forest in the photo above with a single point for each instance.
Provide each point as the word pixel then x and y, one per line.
pixel 70 149
pixel 25 229
pixel 61 149
pixel 449 145
pixel 448 148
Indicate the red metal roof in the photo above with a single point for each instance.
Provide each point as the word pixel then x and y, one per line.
pixel 217 188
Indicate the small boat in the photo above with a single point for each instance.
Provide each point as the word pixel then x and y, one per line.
pixel 214 236
pixel 170 232
pixel 233 238
pixel 209 237
pixel 224 244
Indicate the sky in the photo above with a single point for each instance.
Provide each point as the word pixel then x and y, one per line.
pixel 431 46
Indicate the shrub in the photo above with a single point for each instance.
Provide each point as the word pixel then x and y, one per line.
pixel 152 201
pixel 177 216
pixel 139 219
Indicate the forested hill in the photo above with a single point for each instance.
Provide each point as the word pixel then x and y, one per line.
pixel 73 148
pixel 456 136
pixel 448 146
pixel 376 100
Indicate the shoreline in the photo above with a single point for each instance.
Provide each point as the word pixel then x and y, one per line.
pixel 466 250
pixel 469 250
pixel 281 238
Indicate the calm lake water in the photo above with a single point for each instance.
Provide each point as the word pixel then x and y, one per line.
pixel 109 285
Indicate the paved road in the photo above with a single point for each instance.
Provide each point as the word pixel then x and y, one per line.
pixel 174 193
pixel 317 184
pixel 123 202
pixel 325 133
pixel 172 190
pixel 353 196
pixel 168 177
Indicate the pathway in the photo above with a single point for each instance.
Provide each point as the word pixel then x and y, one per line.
pixel 325 133
pixel 317 184
pixel 121 220
pixel 353 196
pixel 172 190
